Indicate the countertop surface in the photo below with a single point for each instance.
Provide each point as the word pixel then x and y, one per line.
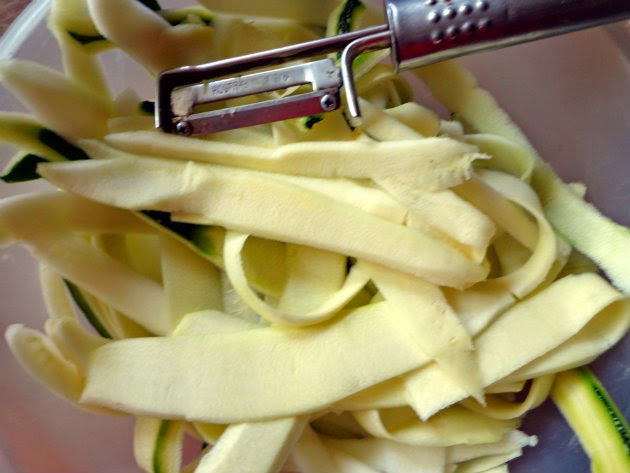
pixel 9 10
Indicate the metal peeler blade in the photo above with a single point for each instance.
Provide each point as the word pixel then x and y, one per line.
pixel 322 78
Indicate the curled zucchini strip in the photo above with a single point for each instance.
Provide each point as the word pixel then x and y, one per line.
pixel 45 224
pixel 421 308
pixel 598 237
pixel 505 155
pixel 386 455
pixel 233 451
pixel 545 246
pixel 23 131
pixel 512 441
pixel 498 407
pixel 148 37
pixel 79 40
pixel 158 445
pixel 320 309
pixel 310 454
pixel 248 360
pixel 40 358
pixel 453 426
pixel 431 164
pixel 61 103
pixel 582 306
pixel 191 283
pixel 258 204
pixel 55 294
pixel 73 341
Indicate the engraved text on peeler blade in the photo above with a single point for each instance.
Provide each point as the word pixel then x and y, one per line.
pixel 320 74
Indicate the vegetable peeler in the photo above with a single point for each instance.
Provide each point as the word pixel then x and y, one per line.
pixel 417 32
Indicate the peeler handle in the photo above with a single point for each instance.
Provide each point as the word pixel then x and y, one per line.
pixel 427 31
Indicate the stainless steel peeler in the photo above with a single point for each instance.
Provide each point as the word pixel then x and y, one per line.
pixel 418 32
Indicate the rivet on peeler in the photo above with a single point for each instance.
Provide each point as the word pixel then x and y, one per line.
pixel 328 103
pixel 183 128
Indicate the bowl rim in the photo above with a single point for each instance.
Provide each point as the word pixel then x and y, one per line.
pixel 20 29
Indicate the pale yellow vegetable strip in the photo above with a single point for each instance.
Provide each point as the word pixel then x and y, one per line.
pixel 264 262
pixel 598 336
pixel 431 164
pixel 143 253
pixel 327 308
pixel 506 387
pixel 277 363
pixel 22 131
pixel 489 463
pixel 73 341
pixel 255 447
pixel 525 332
pixel 505 213
pixel 211 322
pixel 472 230
pixel 446 214
pixel 480 304
pixel 130 123
pixel 234 36
pixel 149 38
pixel 380 84
pixel 80 64
pixel 62 104
pixel 547 247
pixel 504 468
pixel 55 294
pixel 117 324
pixel 457 89
pixel 302 12
pixel 72 15
pixel 510 254
pixel 38 222
pixel 292 131
pixel 210 433
pixel 42 361
pixel 86 216
pixel 80 61
pixel 367 198
pixel 311 455
pixel 145 434
pixel 381 126
pixel 453 426
pixel 336 424
pixel 158 445
pixel 390 393
pixel 348 463
pixel 506 155
pixel 498 407
pixel 603 240
pixel 514 440
pixel 387 455
pixel 313 275
pixel 434 391
pixel 191 283
pixel 424 120
pixel 421 308
pixel 234 305
pixel 256 203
